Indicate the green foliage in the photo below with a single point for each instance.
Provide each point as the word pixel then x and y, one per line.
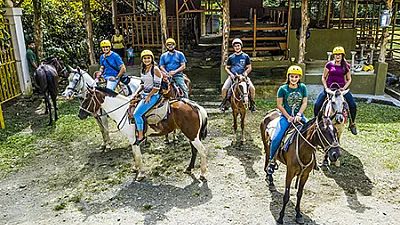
pixel 64 33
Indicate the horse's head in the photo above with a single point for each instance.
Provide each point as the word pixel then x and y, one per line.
pixel 92 102
pixel 335 105
pixel 58 65
pixel 241 91
pixel 326 134
pixel 75 83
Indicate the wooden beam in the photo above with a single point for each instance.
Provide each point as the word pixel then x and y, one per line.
pixel 328 19
pixel 254 30
pixel 177 25
pixel 226 23
pixel 115 13
pixel 341 13
pixel 288 26
pixel 355 14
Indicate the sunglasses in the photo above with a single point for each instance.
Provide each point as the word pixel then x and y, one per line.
pixel 170 45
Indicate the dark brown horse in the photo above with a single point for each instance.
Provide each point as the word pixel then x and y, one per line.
pixel 185 115
pixel 239 102
pixel 46 80
pixel 300 156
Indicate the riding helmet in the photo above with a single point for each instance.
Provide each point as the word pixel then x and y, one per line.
pixel 146 52
pixel 338 50
pixel 237 41
pixel 105 43
pixel 170 40
pixel 294 70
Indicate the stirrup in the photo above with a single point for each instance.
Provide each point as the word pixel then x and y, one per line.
pixel 353 129
pixel 271 168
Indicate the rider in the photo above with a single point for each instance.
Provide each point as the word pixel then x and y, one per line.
pixel 150 86
pixel 111 66
pixel 338 72
pixel 173 63
pixel 237 63
pixel 292 94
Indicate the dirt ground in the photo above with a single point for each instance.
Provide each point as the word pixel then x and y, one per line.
pixel 80 184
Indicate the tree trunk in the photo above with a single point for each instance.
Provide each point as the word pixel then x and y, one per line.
pixel 89 30
pixel 303 29
pixel 37 21
pixel 385 34
pixel 226 23
pixel 163 18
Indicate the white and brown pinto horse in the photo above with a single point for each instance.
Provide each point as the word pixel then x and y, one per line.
pixel 190 118
pixel 78 83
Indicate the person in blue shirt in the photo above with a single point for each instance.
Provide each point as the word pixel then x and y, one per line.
pixel 173 62
pixel 111 66
pixel 237 63
pixel 291 101
pixel 130 55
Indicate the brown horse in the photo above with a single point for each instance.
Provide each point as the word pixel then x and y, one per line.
pixel 46 80
pixel 187 116
pixel 239 102
pixel 300 156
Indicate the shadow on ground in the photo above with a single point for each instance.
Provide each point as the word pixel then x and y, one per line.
pixel 153 200
pixel 350 176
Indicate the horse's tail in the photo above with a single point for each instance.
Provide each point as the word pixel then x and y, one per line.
pixel 202 116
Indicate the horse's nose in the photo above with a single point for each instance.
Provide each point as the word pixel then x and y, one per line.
pixel 82 114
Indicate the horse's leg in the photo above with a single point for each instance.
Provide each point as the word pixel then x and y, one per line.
pixel 234 124
pixel 166 140
pixel 289 178
pixel 303 180
pixel 242 117
pixel 54 100
pixel 192 159
pixel 48 107
pixel 203 156
pixel 103 124
pixel 137 155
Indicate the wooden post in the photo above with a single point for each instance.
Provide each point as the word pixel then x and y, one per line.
pixel 385 34
pixel 254 32
pixel 394 25
pixel 89 31
pixel 328 19
pixel 226 24
pixel 177 26
pixel 288 27
pixel 115 13
pixel 303 30
pixel 377 26
pixel 2 125
pixel 341 13
pixel 355 14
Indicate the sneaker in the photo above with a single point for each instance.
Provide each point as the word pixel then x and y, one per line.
pixel 138 143
pixel 252 108
pixel 271 168
pixel 353 129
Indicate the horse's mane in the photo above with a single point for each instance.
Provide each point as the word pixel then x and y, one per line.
pixel 107 91
pixel 49 59
pixel 308 125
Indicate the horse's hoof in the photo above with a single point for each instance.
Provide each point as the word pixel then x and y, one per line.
pixel 203 179
pixel 300 220
pixel 107 148
pixel 279 221
pixel 325 163
pixel 188 171
pixel 140 178
pixel 337 163
pixel 272 187
pixel 166 141
pixel 175 141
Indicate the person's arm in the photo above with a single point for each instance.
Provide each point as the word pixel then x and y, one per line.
pixel 279 105
pixel 156 88
pixel 324 78
pixel 348 81
pixel 303 107
pixel 122 70
pixel 180 69
pixel 247 71
pixel 136 94
pixel 228 66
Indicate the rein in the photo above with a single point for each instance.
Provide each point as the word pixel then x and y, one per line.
pixel 237 99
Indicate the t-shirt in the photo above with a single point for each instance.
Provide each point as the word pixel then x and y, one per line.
pixel 172 61
pixel 115 60
pixel 118 38
pixel 130 52
pixel 31 57
pixel 238 63
pixel 292 96
pixel 335 74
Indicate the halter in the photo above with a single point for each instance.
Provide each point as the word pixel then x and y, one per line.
pixel 96 114
pixel 73 89
pixel 240 92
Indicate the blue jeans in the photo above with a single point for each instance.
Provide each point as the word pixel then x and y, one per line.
pixel 180 81
pixel 142 108
pixel 349 99
pixel 280 130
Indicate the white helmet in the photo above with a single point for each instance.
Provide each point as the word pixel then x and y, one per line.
pixel 237 41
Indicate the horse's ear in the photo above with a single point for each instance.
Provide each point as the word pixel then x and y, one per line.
pixel 345 91
pixel 89 87
pixel 78 69
pixel 70 69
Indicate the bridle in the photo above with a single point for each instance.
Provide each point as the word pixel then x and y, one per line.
pixel 79 81
pixel 241 95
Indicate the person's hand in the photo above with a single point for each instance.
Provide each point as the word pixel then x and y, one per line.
pixel 147 100
pixel 112 78
pixel 297 118
pixel 327 90
pixel 171 73
pixel 232 76
pixel 290 119
pixel 244 74
pixel 342 89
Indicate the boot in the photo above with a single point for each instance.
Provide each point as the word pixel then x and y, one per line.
pixel 252 106
pixel 129 90
pixel 271 168
pixel 353 129
pixel 223 105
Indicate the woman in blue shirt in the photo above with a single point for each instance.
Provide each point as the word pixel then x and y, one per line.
pixel 291 101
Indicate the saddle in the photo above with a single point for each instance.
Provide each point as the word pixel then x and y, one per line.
pixel 288 137
pixel 155 114
pixel 121 88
